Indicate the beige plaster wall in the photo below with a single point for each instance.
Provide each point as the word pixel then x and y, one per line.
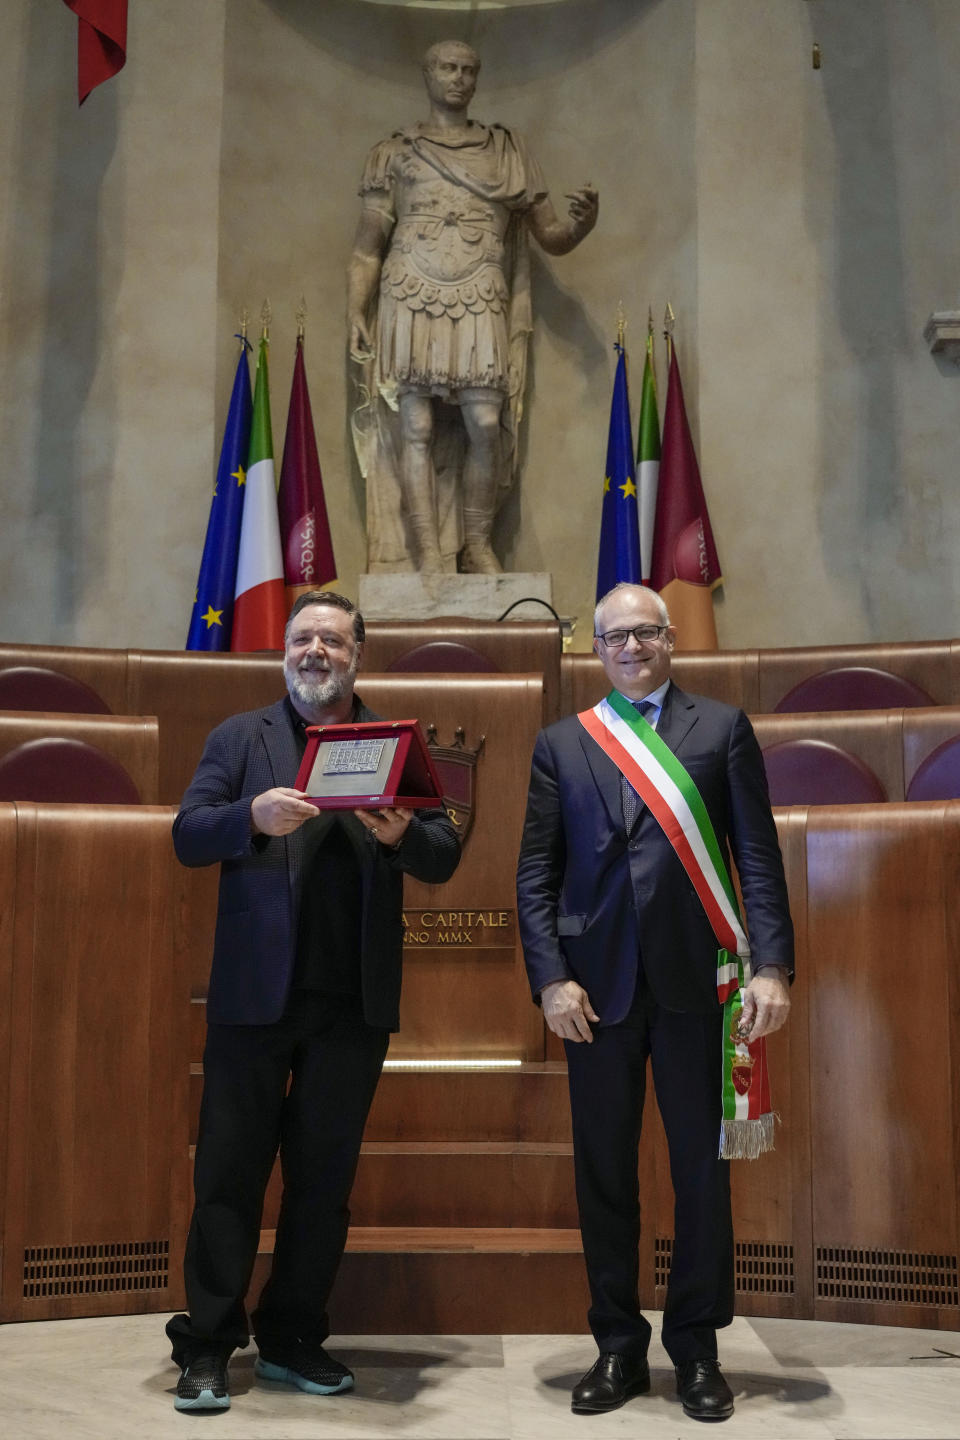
pixel 108 256
pixel 829 229
pixel 803 223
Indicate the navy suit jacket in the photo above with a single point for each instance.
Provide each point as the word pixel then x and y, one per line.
pixel 594 900
pixel 261 876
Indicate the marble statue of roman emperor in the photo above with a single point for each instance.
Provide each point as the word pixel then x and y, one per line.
pixel 438 312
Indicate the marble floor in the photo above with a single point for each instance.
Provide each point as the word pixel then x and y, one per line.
pixel 108 1379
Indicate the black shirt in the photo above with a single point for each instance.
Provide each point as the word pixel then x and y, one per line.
pixel 328 944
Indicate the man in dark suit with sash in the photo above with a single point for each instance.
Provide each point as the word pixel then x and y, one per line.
pixel 622 953
pixel 304 991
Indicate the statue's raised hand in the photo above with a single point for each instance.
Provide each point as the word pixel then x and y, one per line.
pixel 583 210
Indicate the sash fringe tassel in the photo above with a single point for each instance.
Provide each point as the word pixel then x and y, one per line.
pixel 746 1139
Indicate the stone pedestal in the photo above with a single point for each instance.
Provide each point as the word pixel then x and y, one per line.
pixel 942 334
pixel 476 597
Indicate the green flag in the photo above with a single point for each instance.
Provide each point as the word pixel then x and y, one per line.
pixel 648 460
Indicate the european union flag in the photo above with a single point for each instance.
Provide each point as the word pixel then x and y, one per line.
pixel 212 617
pixel 619 557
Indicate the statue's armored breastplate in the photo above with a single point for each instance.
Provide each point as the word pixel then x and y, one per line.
pixel 446 252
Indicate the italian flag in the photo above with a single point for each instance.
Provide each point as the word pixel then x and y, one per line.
pixel 648 460
pixel 259 612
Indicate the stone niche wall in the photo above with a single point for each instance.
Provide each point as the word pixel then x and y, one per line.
pixel 803 223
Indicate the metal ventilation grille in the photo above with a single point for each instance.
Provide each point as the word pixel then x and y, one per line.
pixel 761 1267
pixel 95 1269
pixel 903 1277
pixel 662 1255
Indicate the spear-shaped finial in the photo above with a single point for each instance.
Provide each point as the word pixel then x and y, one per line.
pixel 621 323
pixel 301 317
pixel 266 315
pixel 244 322
pixel 649 320
pixel 669 320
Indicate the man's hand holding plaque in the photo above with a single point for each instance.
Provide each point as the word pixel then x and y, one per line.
pixel 388 825
pixel 280 811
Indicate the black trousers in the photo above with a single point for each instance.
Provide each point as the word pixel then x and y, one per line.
pixel 332 1060
pixel 607 1082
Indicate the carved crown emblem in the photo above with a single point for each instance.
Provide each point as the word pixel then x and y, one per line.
pixel 457 768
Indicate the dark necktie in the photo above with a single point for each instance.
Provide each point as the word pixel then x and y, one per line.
pixel 629 798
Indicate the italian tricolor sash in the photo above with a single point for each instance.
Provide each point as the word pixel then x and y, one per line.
pixel 673 799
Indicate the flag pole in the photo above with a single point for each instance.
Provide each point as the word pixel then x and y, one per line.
pixel 669 320
pixel 621 332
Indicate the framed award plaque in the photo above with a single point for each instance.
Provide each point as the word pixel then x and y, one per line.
pixel 366 765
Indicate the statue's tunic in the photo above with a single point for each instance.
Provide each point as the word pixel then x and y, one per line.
pixel 444 314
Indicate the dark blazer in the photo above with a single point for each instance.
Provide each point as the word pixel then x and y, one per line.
pixel 261 876
pixel 593 899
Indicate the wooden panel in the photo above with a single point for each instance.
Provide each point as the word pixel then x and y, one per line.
pixel 465 1184
pixel 478 1293
pixel 513 646
pixel 553 1047
pixel 98 1058
pixel 524 1105
pixel 191 693
pixel 874 736
pixel 458 1004
pixel 15 1155
pixel 105 671
pixel 882 882
pixel 928 663
pixel 132 740
pixel 727 675
pixel 10 1081
pixel 951 869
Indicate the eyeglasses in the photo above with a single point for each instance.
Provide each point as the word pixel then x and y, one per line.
pixel 616 639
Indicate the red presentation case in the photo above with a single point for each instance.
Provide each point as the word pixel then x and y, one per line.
pixel 365 765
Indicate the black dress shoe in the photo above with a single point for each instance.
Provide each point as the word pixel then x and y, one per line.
pixel 704 1392
pixel 611 1381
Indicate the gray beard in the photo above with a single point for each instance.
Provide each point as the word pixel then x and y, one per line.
pixel 317 690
